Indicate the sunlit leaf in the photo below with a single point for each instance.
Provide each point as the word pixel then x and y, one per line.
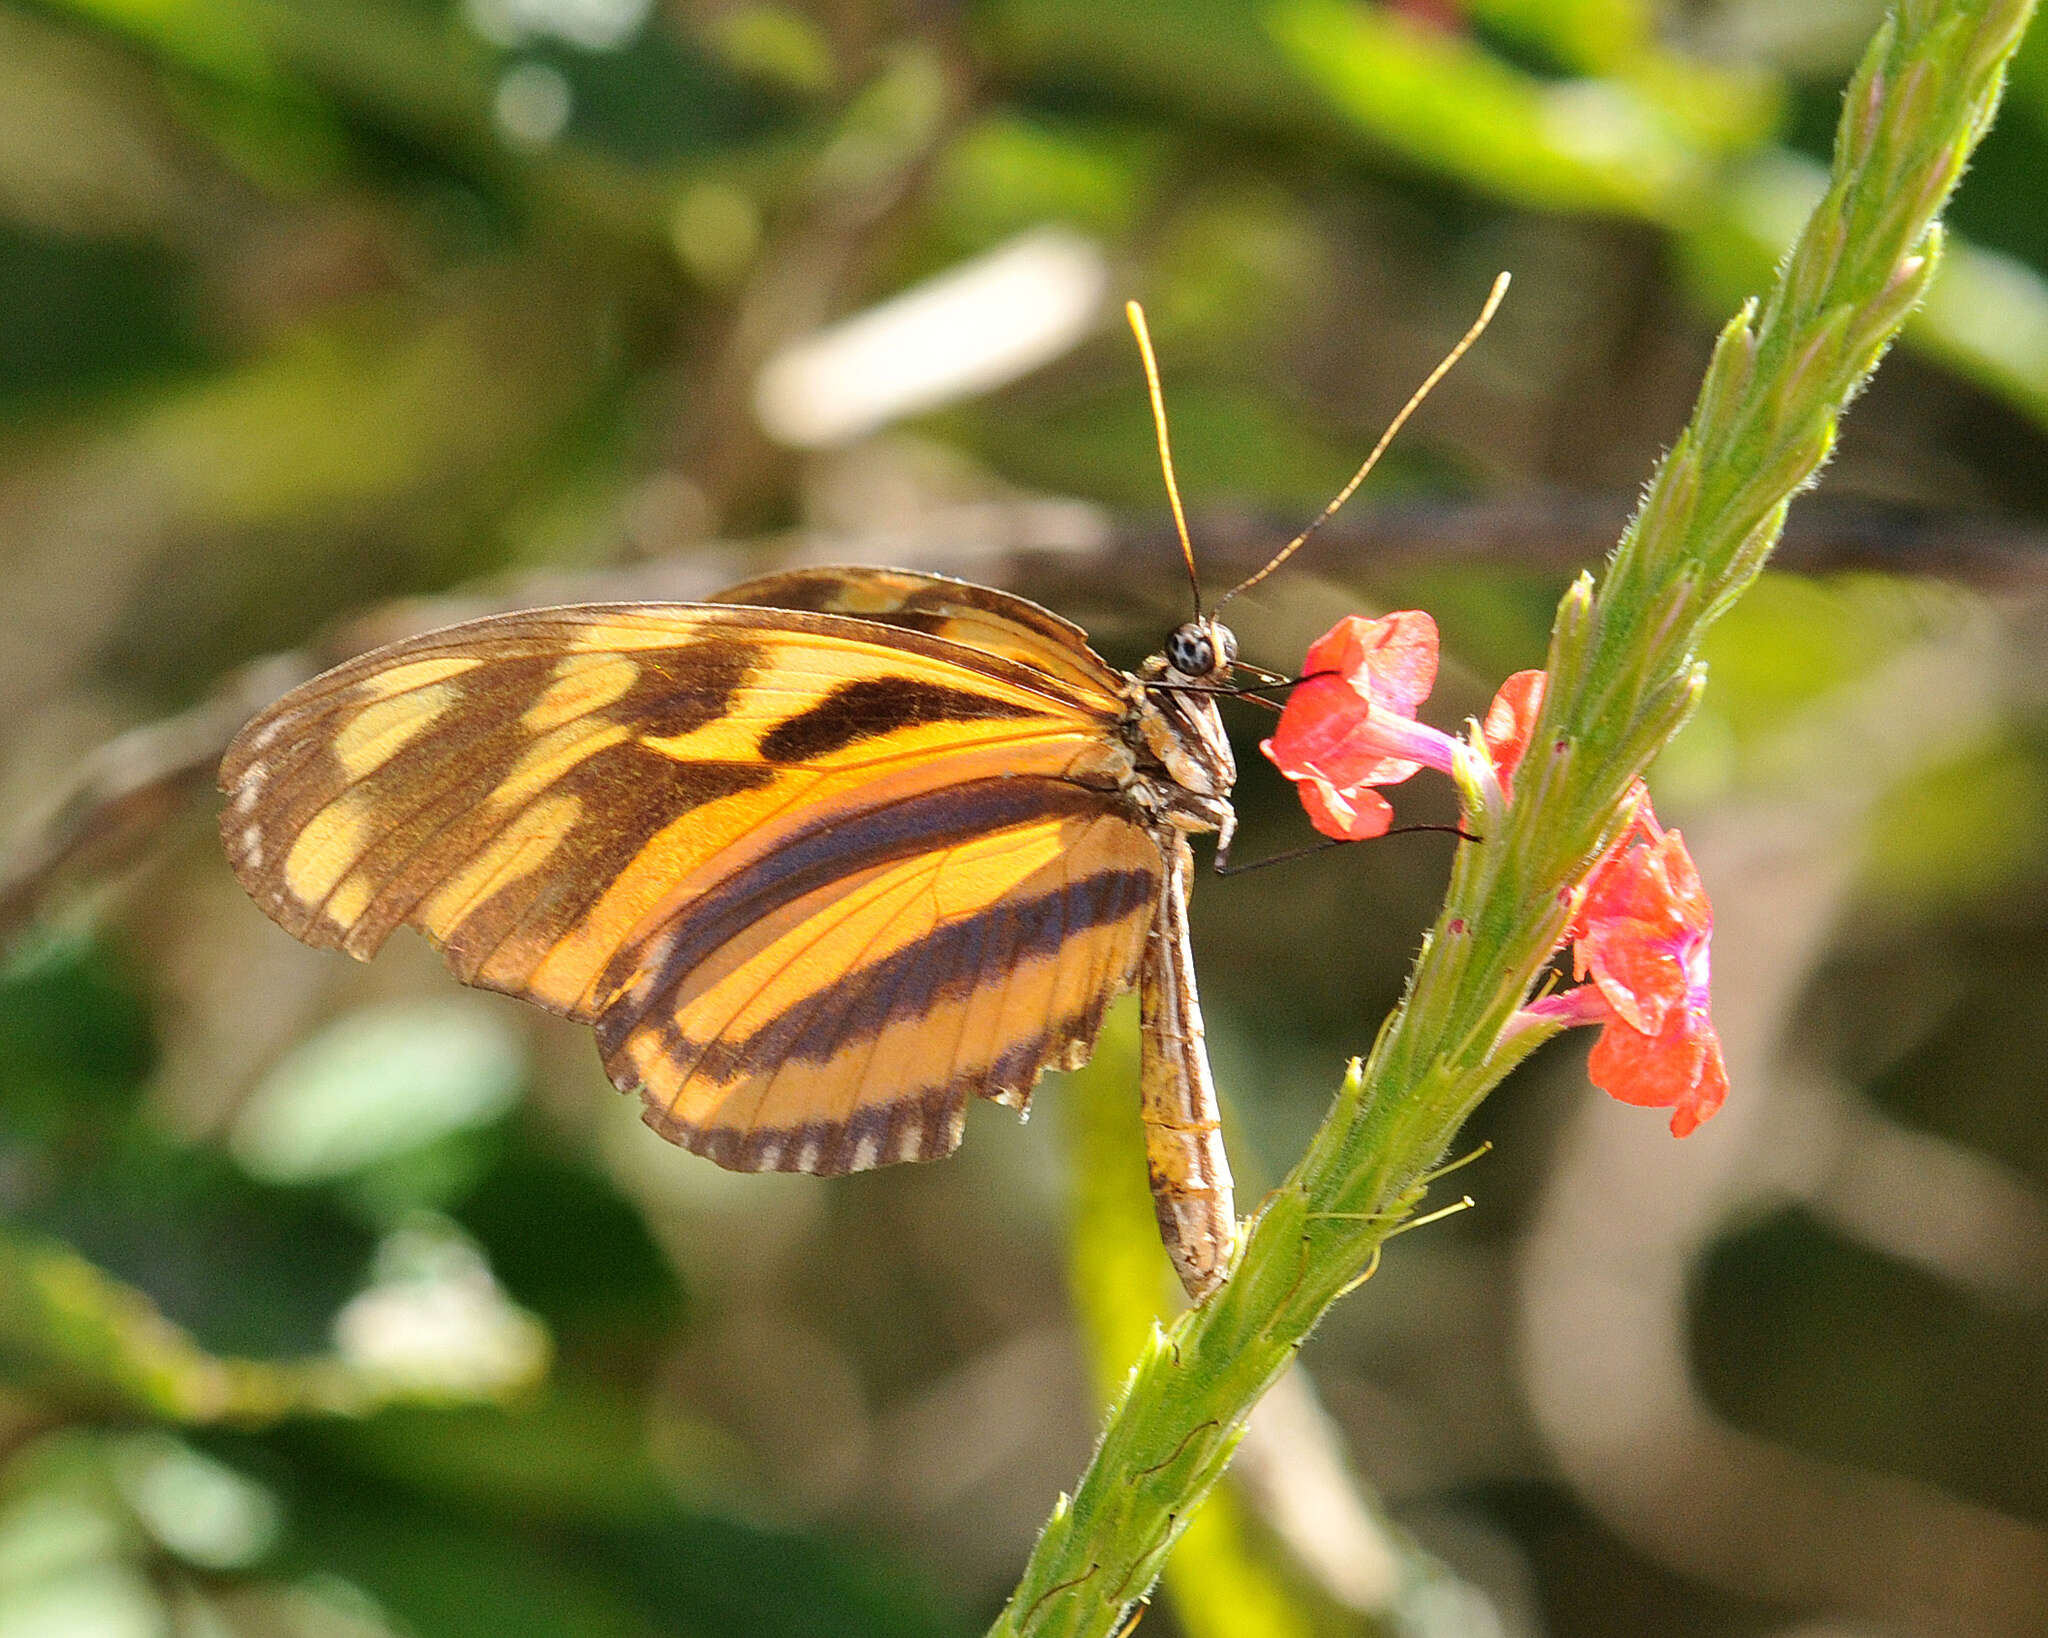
pixel 1589 144
pixel 198 1508
pixel 379 1083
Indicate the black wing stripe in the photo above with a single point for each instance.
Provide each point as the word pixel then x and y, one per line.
pixel 866 1015
pixel 911 981
pixel 827 851
pixel 874 706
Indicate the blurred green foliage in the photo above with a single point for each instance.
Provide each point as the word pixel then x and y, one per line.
pixel 340 1302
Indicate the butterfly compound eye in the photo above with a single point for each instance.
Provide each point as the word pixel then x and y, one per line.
pixel 1190 651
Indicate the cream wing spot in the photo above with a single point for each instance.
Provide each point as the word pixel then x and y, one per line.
pixel 379 732
pixel 644 1056
pixel 328 848
pixel 770 700
pixel 553 755
pixel 627 632
pixel 582 683
pixel 401 679
pixel 879 594
pixel 647 969
pixel 521 848
pixel 346 904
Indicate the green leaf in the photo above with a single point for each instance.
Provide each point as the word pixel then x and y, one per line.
pixel 1441 98
pixel 382 1082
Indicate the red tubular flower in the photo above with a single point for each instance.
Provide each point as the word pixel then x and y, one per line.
pixel 1642 935
pixel 1352 725
pixel 1642 926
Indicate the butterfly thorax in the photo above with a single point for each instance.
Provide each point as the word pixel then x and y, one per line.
pixel 1183 769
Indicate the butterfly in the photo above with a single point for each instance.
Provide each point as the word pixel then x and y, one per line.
pixel 819 860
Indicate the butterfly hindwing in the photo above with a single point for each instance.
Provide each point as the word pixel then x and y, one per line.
pixel 812 875
pixel 978 617
pixel 803 1019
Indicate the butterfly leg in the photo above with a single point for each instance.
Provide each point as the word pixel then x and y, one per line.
pixel 1226 833
pixel 1183 1134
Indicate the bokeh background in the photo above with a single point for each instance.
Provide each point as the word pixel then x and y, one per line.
pixel 340 1302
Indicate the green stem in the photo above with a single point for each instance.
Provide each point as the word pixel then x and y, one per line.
pixel 1623 679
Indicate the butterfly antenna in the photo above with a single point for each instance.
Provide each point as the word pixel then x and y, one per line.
pixel 1493 301
pixel 1136 315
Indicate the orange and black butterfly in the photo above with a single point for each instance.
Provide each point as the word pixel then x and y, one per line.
pixel 819 860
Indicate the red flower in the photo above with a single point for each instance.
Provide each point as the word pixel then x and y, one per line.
pixel 1642 935
pixel 1510 720
pixel 1351 726
pixel 1642 925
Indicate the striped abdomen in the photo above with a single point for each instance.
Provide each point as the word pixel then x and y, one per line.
pixel 1183 1135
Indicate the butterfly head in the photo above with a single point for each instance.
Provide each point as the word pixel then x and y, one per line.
pixel 1202 650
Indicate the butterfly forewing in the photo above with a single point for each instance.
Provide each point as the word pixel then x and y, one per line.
pixel 526 789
